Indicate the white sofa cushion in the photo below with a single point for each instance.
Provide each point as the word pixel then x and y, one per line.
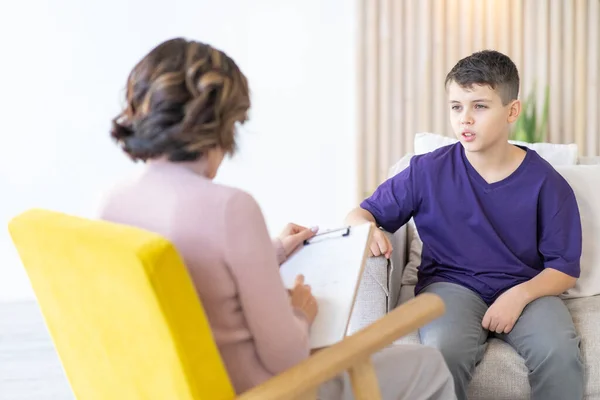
pixel 400 165
pixel 555 154
pixel 589 160
pixel 584 181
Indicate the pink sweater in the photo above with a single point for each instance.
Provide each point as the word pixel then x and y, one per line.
pixel 222 236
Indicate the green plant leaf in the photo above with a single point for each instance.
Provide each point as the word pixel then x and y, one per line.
pixel 531 127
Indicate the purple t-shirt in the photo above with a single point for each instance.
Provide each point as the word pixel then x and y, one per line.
pixel 486 237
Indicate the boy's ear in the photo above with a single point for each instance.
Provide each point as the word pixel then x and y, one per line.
pixel 514 111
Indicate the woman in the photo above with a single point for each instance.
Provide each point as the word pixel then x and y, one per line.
pixel 183 102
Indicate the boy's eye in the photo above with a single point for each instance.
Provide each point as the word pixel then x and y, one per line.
pixel 479 106
pixel 455 107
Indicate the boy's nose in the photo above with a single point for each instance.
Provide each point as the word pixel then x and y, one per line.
pixel 466 120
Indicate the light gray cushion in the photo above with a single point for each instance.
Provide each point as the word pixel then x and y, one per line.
pixel 372 295
pixel 502 373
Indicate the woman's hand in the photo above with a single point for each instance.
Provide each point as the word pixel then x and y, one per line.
pixel 294 235
pixel 302 299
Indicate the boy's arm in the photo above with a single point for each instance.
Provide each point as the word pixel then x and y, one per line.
pixel 359 216
pixel 504 313
pixel 380 244
pixel 391 205
pixel 549 282
pixel 560 246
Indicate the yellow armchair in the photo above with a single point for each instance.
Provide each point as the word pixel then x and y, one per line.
pixel 127 323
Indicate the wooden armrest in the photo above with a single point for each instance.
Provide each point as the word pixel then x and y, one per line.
pixel 353 350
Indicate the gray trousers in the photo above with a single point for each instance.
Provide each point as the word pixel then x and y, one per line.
pixel 544 336
pixel 407 372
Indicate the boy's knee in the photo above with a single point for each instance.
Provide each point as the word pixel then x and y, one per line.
pixel 550 355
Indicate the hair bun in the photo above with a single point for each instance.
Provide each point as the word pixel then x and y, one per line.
pixel 183 99
pixel 120 132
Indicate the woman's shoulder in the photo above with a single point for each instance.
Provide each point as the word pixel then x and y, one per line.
pixel 236 200
pixel 222 193
pixel 188 187
pixel 230 202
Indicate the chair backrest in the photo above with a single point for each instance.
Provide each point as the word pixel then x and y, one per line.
pixel 121 309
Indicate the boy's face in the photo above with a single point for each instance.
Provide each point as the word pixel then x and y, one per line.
pixel 478 118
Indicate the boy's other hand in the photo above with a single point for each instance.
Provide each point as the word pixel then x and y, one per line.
pixel 380 245
pixel 503 314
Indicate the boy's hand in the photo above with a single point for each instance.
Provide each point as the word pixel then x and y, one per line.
pixel 380 245
pixel 502 316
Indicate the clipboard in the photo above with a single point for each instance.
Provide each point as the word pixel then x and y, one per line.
pixel 332 263
pixel 319 236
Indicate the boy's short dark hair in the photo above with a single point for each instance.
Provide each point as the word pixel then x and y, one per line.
pixel 487 67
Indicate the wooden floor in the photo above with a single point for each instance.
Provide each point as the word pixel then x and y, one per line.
pixel 29 365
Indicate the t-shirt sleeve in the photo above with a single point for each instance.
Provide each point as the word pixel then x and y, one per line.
pixel 560 241
pixel 280 332
pixel 393 203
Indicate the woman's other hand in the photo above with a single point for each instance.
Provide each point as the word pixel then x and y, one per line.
pixel 302 299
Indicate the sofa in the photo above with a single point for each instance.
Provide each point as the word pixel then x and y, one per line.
pixel 502 373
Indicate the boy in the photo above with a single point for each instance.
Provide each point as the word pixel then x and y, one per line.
pixel 501 235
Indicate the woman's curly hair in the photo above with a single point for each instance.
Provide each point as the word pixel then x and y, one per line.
pixel 182 99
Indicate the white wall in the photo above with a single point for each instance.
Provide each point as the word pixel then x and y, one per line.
pixel 63 67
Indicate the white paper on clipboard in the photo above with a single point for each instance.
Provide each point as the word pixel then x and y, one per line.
pixel 332 264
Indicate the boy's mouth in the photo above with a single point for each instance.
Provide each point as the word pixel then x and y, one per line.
pixel 468 135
